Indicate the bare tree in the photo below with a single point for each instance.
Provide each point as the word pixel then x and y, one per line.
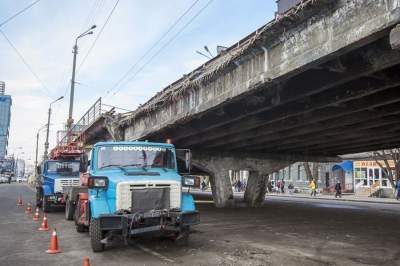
pixel 384 156
pixel 307 169
pixel 311 174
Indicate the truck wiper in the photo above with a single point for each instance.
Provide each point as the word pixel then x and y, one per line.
pixel 114 165
pixel 143 166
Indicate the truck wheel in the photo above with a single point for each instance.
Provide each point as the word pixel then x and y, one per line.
pixel 96 235
pixel 69 210
pixel 46 204
pixel 182 238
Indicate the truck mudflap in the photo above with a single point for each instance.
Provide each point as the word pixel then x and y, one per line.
pixel 152 221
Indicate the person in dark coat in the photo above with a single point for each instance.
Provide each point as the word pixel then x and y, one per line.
pixel 398 189
pixel 338 188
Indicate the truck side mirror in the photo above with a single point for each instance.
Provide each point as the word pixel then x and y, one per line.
pixel 185 155
pixel 83 163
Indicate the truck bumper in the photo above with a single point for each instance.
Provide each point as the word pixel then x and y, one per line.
pixel 155 221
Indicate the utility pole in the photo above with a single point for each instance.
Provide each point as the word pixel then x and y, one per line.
pixel 70 120
pixel 37 148
pixel 46 144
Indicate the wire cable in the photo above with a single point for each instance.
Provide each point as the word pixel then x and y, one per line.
pixel 19 12
pixel 25 62
pixel 98 35
pixel 164 46
pixel 116 84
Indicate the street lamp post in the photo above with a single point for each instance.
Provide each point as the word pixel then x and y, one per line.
pixel 37 145
pixel 46 144
pixel 71 98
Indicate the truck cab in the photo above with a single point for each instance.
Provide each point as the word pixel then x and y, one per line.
pixel 134 188
pixel 54 176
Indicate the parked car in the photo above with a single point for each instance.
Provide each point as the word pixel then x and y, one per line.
pixel 21 179
pixel 3 179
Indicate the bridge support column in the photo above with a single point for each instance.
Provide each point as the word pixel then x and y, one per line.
pixel 221 189
pixel 218 164
pixel 256 188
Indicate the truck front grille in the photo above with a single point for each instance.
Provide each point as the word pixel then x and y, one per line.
pixel 124 192
pixel 65 182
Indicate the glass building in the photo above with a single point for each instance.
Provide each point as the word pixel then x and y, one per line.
pixel 5 115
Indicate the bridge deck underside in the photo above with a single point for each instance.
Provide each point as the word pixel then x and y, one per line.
pixel 348 104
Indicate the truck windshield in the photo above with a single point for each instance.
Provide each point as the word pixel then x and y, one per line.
pixel 135 156
pixel 63 167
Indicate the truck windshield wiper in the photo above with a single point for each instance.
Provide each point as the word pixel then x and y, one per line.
pixel 113 165
pixel 143 166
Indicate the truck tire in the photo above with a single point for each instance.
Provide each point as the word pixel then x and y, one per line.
pixel 46 204
pixel 96 235
pixel 182 238
pixel 69 210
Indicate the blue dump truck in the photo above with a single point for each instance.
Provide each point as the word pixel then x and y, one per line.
pixel 133 188
pixel 53 177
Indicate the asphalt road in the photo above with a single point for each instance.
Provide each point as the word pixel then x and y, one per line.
pixel 283 232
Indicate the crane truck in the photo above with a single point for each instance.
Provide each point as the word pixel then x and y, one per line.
pixel 132 188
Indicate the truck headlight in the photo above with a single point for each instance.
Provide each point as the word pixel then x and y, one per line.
pixel 97 182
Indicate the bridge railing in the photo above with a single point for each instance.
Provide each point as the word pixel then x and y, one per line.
pixel 65 137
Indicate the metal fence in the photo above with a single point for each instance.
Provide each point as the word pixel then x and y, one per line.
pixel 95 112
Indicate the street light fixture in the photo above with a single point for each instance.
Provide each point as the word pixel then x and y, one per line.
pixel 46 144
pixel 70 120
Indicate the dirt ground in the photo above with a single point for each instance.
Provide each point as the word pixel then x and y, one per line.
pixel 283 232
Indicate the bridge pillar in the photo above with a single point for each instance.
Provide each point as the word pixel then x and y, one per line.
pixel 218 164
pixel 256 188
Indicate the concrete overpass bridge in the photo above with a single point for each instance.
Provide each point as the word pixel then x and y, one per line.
pixel 319 81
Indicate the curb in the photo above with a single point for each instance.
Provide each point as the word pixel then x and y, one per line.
pixel 333 199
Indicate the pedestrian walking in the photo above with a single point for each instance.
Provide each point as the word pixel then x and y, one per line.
pixel 239 186
pixel 291 188
pixel 203 185
pixel 283 186
pixel 313 187
pixel 338 188
pixel 398 189
pixel 269 186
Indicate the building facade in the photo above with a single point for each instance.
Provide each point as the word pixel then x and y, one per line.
pixel 5 118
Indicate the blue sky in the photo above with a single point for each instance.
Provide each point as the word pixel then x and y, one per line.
pixel 44 35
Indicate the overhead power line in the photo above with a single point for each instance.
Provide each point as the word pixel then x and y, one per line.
pixel 98 35
pixel 153 46
pixel 164 46
pixel 25 62
pixel 19 12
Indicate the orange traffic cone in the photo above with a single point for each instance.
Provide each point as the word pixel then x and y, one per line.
pixel 28 209
pixel 53 244
pixel 44 226
pixel 19 203
pixel 36 215
pixel 86 261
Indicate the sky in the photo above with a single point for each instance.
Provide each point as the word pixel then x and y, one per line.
pixel 44 35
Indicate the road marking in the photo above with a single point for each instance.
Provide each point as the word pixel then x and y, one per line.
pixel 154 253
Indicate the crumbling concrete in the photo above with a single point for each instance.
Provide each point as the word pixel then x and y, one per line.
pixel 218 164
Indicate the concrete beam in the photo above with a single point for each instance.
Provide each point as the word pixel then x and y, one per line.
pixel 299 114
pixel 266 112
pixel 333 32
pixel 395 38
